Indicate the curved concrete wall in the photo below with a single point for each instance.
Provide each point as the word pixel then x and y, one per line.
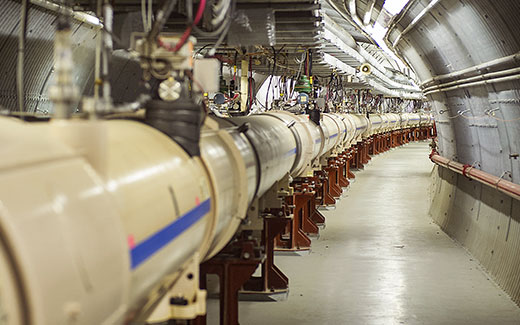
pixel 455 35
pixel 483 220
pixel 452 36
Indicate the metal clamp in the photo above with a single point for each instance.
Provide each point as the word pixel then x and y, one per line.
pixel 467 168
pixel 501 177
pixel 491 111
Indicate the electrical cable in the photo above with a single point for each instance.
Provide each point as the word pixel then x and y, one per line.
pixel 200 12
pixel 251 80
pixel 215 32
pixel 230 13
pixel 187 32
pixel 310 62
pixel 271 77
pixel 200 50
pixel 150 14
pixel 220 40
pixel 144 16
pixel 161 17
pixel 222 14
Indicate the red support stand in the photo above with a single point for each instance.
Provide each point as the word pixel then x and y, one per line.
pixel 302 210
pixel 342 162
pixel 272 279
pixel 295 238
pixel 234 266
pixel 324 195
pixel 366 156
pixel 372 149
pixel 356 156
pixel 407 136
pixel 332 171
pixel 350 160
pixel 316 215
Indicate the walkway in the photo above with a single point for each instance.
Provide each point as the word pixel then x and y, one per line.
pixel 381 260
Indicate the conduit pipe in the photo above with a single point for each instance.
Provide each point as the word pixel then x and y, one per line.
pixel 338 31
pixel 415 21
pixel 504 186
pixel 353 12
pixel 486 65
pixel 486 76
pixel 476 83
pixel 340 38
pixel 77 15
pixel 368 13
pixel 382 73
pixel 347 18
pixel 400 90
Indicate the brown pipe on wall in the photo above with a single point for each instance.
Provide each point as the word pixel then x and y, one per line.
pixel 507 187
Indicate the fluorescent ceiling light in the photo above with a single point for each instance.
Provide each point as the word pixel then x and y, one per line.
pixel 395 6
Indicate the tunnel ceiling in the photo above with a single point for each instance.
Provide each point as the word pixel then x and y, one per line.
pixel 463 53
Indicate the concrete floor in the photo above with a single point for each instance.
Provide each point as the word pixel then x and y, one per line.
pixel 381 260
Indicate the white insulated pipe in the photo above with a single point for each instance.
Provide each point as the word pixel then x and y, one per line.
pixel 96 217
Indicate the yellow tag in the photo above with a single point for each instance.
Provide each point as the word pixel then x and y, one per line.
pixel 310 80
pixel 205 94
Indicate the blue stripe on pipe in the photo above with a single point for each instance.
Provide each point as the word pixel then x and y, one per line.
pixel 333 136
pixel 361 127
pixel 145 249
pixel 317 141
pixel 291 152
pixel 376 122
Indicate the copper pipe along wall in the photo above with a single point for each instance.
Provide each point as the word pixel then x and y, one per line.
pixel 507 187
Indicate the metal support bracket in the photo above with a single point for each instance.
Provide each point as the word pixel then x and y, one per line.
pixel 185 299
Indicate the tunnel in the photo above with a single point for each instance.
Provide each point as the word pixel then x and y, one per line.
pixel 259 162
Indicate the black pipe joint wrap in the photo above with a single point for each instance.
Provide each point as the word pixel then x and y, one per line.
pixel 314 115
pixel 180 120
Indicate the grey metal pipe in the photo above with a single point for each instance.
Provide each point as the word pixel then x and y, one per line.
pixel 362 55
pixel 490 64
pixel 347 18
pixel 97 57
pixel 478 83
pixel 106 53
pixel 339 31
pixel 352 8
pixel 368 13
pixel 280 6
pixel 476 78
pixel 77 15
pixel 162 16
pixel 415 21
